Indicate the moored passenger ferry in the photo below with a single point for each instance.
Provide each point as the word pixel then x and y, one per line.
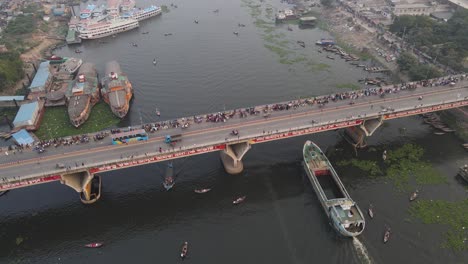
pixel 82 94
pixel 116 90
pixel 343 212
pixel 141 14
pixel 107 28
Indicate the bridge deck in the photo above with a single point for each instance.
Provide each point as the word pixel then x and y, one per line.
pixel 31 168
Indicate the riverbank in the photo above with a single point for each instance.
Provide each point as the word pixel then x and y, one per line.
pixel 36 46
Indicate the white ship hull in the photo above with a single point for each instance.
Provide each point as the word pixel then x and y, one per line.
pixel 108 29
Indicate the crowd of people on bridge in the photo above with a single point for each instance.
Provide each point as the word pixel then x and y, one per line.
pixel 224 116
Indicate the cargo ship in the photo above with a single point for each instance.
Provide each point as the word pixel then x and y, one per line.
pixel 346 217
pixel 82 94
pixel 116 90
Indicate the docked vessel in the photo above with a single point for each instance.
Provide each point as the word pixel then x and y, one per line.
pixel 325 42
pixel 106 28
pixel 86 13
pixel 127 5
pixel 343 212
pixel 463 172
pixel 82 94
pixel 141 14
pixel 116 90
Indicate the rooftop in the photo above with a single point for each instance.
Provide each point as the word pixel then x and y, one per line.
pixel 462 3
pixel 11 98
pixel 41 76
pixel 23 137
pixel 25 112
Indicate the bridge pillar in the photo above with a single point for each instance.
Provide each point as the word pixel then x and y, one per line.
pixel 369 126
pixel 81 182
pixel 232 155
pixel 357 135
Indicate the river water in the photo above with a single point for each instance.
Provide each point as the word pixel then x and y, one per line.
pixel 203 68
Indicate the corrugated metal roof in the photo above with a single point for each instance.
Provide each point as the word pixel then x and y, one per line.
pixel 23 137
pixel 25 112
pixel 11 98
pixel 41 76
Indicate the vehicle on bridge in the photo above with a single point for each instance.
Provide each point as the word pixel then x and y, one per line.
pixel 173 139
pixel 129 137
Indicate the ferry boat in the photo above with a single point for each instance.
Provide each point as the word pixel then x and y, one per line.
pixel 82 94
pixel 345 215
pixel 107 28
pixel 287 14
pixel 141 14
pixel 99 11
pixel 127 5
pixel 87 12
pixel 116 90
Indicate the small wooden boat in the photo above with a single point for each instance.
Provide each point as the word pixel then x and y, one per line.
pixel 330 57
pixel 167 34
pixel 439 133
pixel 4 192
pixel 169 179
pixel 465 145
pixel 239 200
pixel 157 112
pixel 236 33
pixel 386 235
pixel 202 190
pixel 134 45
pixel 370 211
pixel 184 250
pixel 414 195
pixel 144 33
pixel 155 61
pixel 94 245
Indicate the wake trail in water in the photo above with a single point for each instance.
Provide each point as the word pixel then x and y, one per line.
pixel 361 251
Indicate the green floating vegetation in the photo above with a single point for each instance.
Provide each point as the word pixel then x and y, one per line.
pixel 452 214
pixel 278 50
pixel 370 167
pixel 293 60
pixel 405 163
pixel 276 39
pixel 165 9
pixel 347 86
pixel 315 67
pixel 56 123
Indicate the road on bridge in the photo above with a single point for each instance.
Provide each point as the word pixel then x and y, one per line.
pixel 29 164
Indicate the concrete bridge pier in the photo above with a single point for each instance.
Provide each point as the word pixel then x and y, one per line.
pixel 357 135
pixel 232 155
pixel 81 182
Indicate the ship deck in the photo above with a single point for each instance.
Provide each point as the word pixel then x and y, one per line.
pixel 118 98
pixel 77 104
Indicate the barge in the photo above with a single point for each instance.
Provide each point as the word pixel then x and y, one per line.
pixel 116 90
pixel 346 217
pixel 82 94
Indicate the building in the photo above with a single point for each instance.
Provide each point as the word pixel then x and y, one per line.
pixel 29 116
pixel 412 9
pixel 42 78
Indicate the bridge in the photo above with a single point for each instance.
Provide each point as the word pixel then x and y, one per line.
pixel 358 113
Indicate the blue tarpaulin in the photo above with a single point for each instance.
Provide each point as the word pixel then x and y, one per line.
pixel 22 137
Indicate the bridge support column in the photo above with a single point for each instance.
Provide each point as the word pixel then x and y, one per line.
pixel 83 183
pixel 357 135
pixel 232 157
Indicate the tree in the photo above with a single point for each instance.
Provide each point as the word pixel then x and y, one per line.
pixel 406 61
